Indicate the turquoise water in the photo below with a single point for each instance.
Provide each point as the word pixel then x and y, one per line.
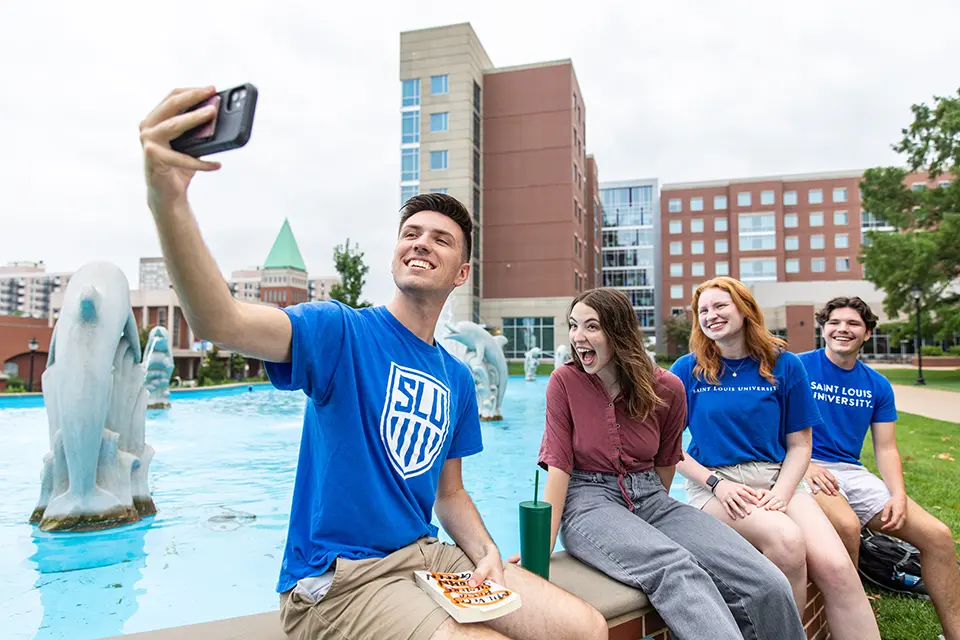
pixel 222 480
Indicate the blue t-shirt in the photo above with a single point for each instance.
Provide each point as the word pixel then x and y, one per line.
pixel 745 418
pixel 850 401
pixel 385 410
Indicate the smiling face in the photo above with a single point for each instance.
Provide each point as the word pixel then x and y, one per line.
pixel 845 332
pixel 590 343
pixel 429 254
pixel 719 317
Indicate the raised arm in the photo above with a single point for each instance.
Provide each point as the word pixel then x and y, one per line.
pixel 210 309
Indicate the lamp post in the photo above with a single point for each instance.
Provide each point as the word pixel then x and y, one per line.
pixel 916 299
pixel 33 345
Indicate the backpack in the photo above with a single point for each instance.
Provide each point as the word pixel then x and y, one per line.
pixel 890 564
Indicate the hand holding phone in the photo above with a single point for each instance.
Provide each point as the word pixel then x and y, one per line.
pixel 230 127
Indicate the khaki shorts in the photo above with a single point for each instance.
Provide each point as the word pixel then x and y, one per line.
pixel 375 599
pixel 757 475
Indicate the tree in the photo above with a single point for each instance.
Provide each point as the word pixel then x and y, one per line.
pixel 924 250
pixel 237 363
pixel 678 330
pixel 349 264
pixel 212 370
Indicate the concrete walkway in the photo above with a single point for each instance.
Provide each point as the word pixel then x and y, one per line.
pixel 929 403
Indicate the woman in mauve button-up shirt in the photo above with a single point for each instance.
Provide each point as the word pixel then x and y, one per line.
pixel 612 440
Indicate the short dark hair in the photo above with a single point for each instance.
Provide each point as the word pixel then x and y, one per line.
pixel 446 205
pixel 855 303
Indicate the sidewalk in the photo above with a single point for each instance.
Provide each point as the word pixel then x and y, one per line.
pixel 929 403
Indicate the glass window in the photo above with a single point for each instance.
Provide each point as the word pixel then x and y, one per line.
pixel 439 190
pixel 720 202
pixel 411 92
pixel 792 265
pixel 439 122
pixel 696 204
pixel 744 199
pixel 816 219
pixel 843 264
pixel 791 243
pixel 675 205
pixel 676 248
pixel 943 184
pixel 523 334
pixel 720 246
pixel 719 224
pixel 676 226
pixel 696 247
pixel 439 85
pixel 841 241
pixel 697 269
pixel 696 225
pixel 818 265
pixel 840 218
pixel 757 223
pixel 676 291
pixel 758 269
pixel 816 241
pixel 676 270
pixel 790 221
pixel 411 127
pixel 840 194
pixel 758 243
pixel 410 161
pixel 918 186
pixel 767 197
pixel 815 196
pixel 438 160
pixel 790 198
pixel 408 192
pixel 721 268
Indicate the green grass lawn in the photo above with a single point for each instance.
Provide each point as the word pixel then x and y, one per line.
pixel 932 482
pixel 946 379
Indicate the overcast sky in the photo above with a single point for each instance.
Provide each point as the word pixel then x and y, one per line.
pixel 679 91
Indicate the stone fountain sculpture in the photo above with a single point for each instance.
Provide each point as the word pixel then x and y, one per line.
pixel 531 360
pixel 484 356
pixel 95 475
pixel 158 361
pixel 561 356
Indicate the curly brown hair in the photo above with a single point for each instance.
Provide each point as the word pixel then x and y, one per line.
pixel 446 205
pixel 869 317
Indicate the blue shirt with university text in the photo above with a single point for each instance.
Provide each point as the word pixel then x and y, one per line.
pixel 850 401
pixel 745 418
pixel 385 410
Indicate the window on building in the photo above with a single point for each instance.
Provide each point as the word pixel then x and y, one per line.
pixel 476 97
pixel 721 268
pixel 439 85
pixel 439 190
pixel 410 161
pixel 918 186
pixel 841 241
pixel 476 167
pixel 757 223
pixel 720 246
pixel 719 202
pixel 816 241
pixel 816 219
pixel 696 247
pixel 676 248
pixel 792 265
pixel 757 242
pixel 767 197
pixel 840 218
pixel 791 243
pixel 438 160
pixel 758 270
pixel 676 270
pixel 815 196
pixel 676 291
pixel 696 269
pixel 523 334
pixel 840 194
pixel 818 265
pixel 790 198
pixel 408 192
pixel 719 224
pixel 675 205
pixel 943 184
pixel 696 225
pixel 439 122
pixel 790 221
pixel 411 127
pixel 411 92
pixel 696 204
pixel 676 226
pixel 843 264
pixel 744 199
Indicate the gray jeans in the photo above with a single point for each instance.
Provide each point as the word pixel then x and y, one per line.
pixel 701 576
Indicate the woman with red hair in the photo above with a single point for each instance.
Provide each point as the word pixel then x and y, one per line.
pixel 750 411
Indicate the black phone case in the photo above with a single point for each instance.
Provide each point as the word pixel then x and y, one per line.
pixel 233 127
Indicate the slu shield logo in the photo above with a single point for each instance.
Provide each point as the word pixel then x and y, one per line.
pixel 415 420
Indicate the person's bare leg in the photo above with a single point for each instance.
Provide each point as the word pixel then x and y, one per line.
pixel 844 601
pixel 451 630
pixel 938 562
pixel 844 521
pixel 776 536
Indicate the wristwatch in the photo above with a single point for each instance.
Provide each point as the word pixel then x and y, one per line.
pixel 712 482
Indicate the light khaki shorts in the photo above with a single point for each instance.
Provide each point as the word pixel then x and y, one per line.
pixel 757 475
pixel 375 599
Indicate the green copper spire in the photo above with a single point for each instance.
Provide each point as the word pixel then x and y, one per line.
pixel 285 253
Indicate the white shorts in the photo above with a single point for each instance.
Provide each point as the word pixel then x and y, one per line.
pixel 866 493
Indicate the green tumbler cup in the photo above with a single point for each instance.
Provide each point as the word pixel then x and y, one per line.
pixel 535 537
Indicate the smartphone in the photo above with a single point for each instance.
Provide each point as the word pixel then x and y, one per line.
pixel 230 127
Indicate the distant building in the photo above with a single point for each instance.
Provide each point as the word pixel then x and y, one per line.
pixel 26 287
pixel 319 288
pixel 245 283
pixel 153 274
pixel 284 282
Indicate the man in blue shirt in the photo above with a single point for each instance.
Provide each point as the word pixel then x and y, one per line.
pixel 389 417
pixel 853 398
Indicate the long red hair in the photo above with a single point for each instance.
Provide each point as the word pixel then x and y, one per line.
pixel 762 346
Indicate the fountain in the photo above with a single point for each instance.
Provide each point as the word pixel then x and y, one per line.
pixel 95 474
pixel 158 360
pixel 484 356
pixel 561 356
pixel 531 360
